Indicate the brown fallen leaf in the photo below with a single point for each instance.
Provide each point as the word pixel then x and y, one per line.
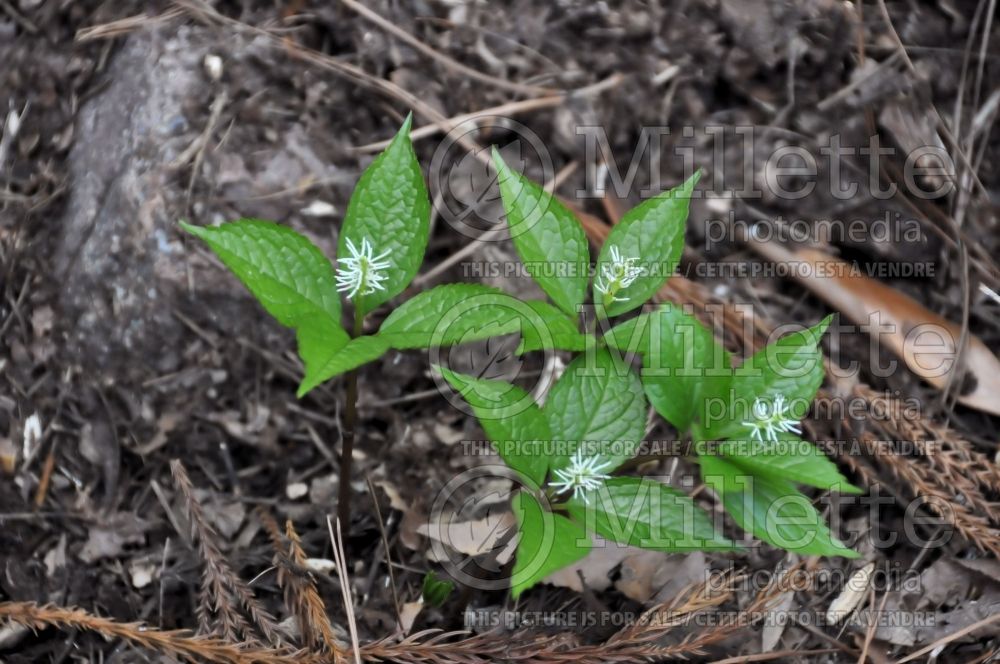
pixel 473 538
pixel 595 567
pixel 413 518
pixel 774 623
pixel 108 538
pixel 681 571
pixel 408 614
pixel 637 577
pixel 850 597
pixel 651 577
pixel 925 341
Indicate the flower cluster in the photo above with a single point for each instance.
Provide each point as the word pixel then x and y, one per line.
pixel 770 419
pixel 361 271
pixel 620 273
pixel 582 475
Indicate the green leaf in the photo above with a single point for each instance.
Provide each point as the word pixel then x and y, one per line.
pixel 287 273
pixel 788 458
pixel 550 329
pixel 771 509
pixel 653 234
pixel 645 513
pixel 453 314
pixel 791 367
pixel 548 542
pixel 391 209
pixel 355 353
pixel 319 342
pixel 547 236
pixel 435 589
pixel 460 313
pixel 511 420
pixel 598 402
pixel 682 365
pixel 289 276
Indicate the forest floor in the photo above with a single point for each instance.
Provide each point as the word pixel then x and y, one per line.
pixel 124 345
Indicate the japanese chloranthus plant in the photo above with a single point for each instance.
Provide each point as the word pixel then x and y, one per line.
pixel 565 453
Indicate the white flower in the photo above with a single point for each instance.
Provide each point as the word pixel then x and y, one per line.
pixel 582 475
pixel 619 273
pixel 770 419
pixel 361 271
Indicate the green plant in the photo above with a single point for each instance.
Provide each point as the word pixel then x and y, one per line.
pixel 742 420
pixel 435 589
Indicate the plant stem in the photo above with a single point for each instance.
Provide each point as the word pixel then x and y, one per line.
pixel 350 426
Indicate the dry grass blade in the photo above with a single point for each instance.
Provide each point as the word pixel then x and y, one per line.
pixel 124 26
pixel 385 547
pixel 969 629
pixel 783 655
pixel 222 591
pixel 340 560
pixel 505 110
pixel 180 644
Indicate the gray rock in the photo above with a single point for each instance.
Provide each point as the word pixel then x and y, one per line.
pixel 124 263
pixel 118 224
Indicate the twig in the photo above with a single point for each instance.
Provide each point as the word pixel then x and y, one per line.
pixel 179 643
pixel 220 583
pixel 449 62
pixel 768 656
pixel 46 477
pixel 989 620
pixel 870 633
pixel 385 546
pixel 505 110
pixel 163 572
pixel 313 611
pixel 835 98
pixel 19 18
pixel 124 26
pixel 301 596
pixel 198 147
pixel 637 643
pixel 987 31
pixel 206 12
pixel 340 562
pixel 349 432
